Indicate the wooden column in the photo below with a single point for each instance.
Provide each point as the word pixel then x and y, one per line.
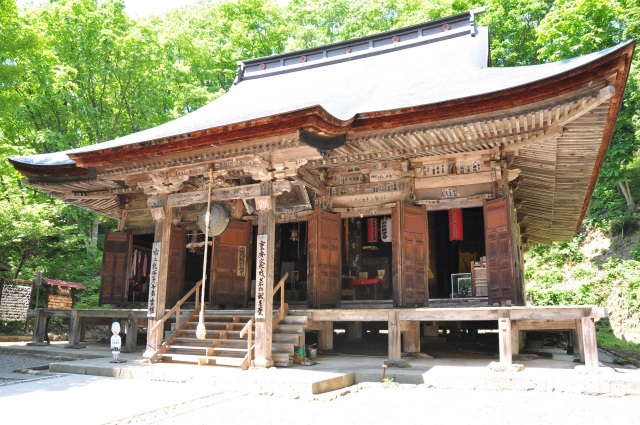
pixel 589 341
pixel 354 331
pixel 504 333
pixel 325 336
pixel 411 342
pixel 40 327
pixel 431 329
pixel 579 339
pixel 395 350
pixel 132 332
pixel 75 327
pixel 265 205
pixel 515 338
pixel 162 215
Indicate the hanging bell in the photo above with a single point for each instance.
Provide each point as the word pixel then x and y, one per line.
pixel 219 219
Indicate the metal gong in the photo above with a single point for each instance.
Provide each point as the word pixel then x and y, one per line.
pixel 218 221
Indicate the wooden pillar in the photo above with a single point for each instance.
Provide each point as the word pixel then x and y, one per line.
pixel 504 334
pixel 589 342
pixel 40 326
pixel 354 331
pixel 74 329
pixel 265 205
pixel 515 337
pixel 411 341
pixel 395 350
pixel 579 339
pixel 457 330
pixel 325 336
pixel 132 332
pixel 162 215
pixel 431 329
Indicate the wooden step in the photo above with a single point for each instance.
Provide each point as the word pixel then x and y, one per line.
pixel 218 334
pixel 286 338
pixel 278 347
pixel 284 328
pixel 282 359
pixel 295 320
pixel 204 360
pixel 218 326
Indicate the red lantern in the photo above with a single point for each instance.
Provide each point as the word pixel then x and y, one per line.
pixel 455 224
pixel 372 230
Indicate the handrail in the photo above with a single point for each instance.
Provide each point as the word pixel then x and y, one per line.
pixel 176 307
pixel 175 310
pixel 248 329
pixel 283 306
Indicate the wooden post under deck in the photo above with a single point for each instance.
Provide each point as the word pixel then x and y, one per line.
pixel 266 226
pixel 411 342
pixel 395 350
pixel 354 331
pixel 515 338
pixel 325 336
pixel 132 332
pixel 504 334
pixel 588 331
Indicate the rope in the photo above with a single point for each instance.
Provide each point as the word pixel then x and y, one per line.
pixel 201 330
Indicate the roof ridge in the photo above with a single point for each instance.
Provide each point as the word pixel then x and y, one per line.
pixel 430 31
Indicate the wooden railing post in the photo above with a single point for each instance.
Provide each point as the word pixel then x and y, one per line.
pixel 74 329
pixel 40 327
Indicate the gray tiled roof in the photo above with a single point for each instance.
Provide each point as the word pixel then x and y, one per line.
pixel 444 67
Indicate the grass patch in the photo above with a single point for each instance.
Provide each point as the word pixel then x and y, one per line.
pixel 627 352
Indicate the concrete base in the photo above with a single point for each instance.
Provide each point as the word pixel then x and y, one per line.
pixel 499 367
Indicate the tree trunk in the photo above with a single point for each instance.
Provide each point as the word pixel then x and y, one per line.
pixel 626 192
pixel 23 259
pixel 94 230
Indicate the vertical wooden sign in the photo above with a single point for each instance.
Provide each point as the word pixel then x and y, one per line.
pixel 153 279
pixel 261 276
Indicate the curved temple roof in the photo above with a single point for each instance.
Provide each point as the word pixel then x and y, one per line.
pixel 444 67
pixel 351 88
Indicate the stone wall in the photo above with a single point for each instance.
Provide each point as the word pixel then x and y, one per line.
pixel 14 302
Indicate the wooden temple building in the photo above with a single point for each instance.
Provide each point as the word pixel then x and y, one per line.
pixel 395 178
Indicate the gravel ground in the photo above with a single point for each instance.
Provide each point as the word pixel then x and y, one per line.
pixel 15 363
pixel 374 403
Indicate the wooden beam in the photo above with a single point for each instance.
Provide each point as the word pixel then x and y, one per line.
pixel 445 204
pixel 225 194
pixel 310 181
pixel 526 314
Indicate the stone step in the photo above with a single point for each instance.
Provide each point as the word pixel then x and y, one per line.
pixel 204 360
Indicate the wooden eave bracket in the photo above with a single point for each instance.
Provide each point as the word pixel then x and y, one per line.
pixel 323 144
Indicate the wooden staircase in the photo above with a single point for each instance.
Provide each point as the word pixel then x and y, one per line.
pixel 225 345
pixel 230 335
pixel 287 335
